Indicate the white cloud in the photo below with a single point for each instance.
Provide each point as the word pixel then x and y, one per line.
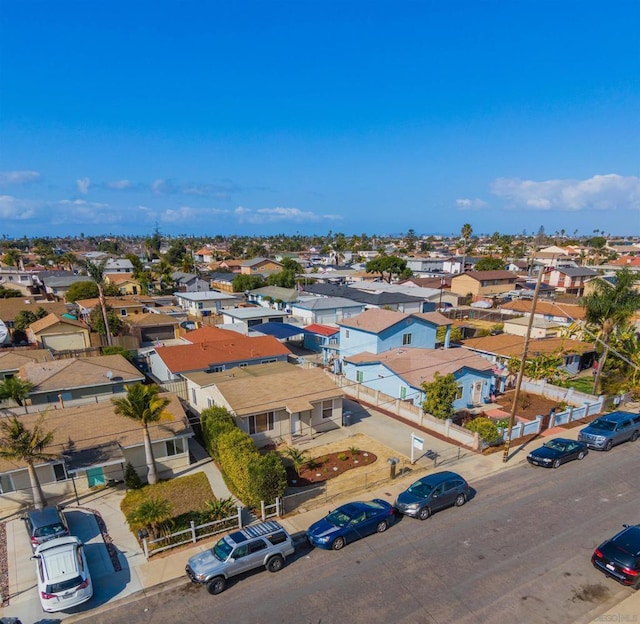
pixel 119 185
pixel 471 204
pixel 271 215
pixel 14 208
pixel 80 211
pixel 83 185
pixel 600 192
pixel 162 187
pixel 18 177
pixel 189 215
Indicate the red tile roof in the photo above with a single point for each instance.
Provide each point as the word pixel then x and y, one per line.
pixel 323 330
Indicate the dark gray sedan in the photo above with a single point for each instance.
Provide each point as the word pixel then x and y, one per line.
pixel 555 452
pixel 432 493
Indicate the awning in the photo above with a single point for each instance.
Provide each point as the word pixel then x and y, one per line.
pixel 279 330
pixel 96 457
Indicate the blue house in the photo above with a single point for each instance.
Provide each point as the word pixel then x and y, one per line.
pixel 317 337
pixel 401 372
pixel 376 331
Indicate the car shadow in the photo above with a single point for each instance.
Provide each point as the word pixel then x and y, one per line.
pixel 472 494
pixel 82 524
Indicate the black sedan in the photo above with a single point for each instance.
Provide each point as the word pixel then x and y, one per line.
pixel 619 557
pixel 555 452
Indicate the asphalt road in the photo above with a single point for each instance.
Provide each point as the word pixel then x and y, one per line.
pixel 519 551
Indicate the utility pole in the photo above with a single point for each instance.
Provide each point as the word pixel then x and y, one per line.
pixel 523 360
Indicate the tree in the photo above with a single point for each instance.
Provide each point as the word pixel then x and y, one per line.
pixel 215 421
pixel 486 429
pixel 152 513
pixel 82 290
pixel 21 444
pixel 440 395
pixel 96 271
pixel 465 232
pixel 118 350
pixel 391 265
pixel 96 322
pixel 489 264
pixel 241 283
pixel 143 405
pixel 16 389
pixel 268 477
pixel 12 257
pixel 609 307
pixel 410 240
pixel 24 318
pixel 297 457
pixel 546 366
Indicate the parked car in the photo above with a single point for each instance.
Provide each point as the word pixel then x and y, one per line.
pixel 45 524
pixel 619 557
pixel 262 545
pixel 432 493
pixel 63 575
pixel 558 451
pixel 350 522
pixel 611 429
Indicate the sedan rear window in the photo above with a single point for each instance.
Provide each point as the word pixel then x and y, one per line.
pixel 52 529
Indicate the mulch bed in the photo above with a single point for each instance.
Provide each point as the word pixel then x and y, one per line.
pixel 328 467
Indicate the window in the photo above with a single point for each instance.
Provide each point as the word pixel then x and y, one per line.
pixel 268 361
pixel 210 402
pixel 6 484
pixel 403 392
pixel 277 538
pixel 359 376
pixel 257 546
pixel 60 472
pixel 194 400
pixel 200 305
pixel 459 392
pixel 346 333
pixel 215 369
pixel 259 423
pixel 174 447
pixel 123 312
pixel 327 409
pixel 406 339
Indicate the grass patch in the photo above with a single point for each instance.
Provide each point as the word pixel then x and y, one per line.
pixel 581 384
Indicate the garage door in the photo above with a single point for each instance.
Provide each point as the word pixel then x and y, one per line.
pixel 150 334
pixel 63 342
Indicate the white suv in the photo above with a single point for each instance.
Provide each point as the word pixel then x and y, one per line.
pixel 63 575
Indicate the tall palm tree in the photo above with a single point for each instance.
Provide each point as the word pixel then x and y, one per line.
pixel 608 307
pixel 143 405
pixel 21 444
pixel 95 270
pixel 16 389
pixel 466 232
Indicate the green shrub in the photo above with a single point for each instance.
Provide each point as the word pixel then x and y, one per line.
pixel 215 421
pixel 354 450
pixel 486 429
pixel 131 478
pixel 343 456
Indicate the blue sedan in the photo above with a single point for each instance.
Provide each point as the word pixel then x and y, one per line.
pixel 351 522
pixel 555 452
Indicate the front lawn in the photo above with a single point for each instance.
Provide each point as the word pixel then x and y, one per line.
pixel 581 384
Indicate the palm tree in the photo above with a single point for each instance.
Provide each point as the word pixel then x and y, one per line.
pixel 152 512
pixel 298 458
pixel 95 270
pixel 143 405
pixel 21 444
pixel 466 232
pixel 609 307
pixel 16 389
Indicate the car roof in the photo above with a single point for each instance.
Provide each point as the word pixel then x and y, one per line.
pixel 60 562
pixel 47 515
pixel 617 416
pixel 256 530
pixel 439 477
pixel 629 539
pixel 59 542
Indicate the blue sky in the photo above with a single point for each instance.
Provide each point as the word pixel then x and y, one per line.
pixel 309 116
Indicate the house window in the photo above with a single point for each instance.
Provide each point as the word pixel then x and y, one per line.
pixel 174 447
pixel 242 365
pixel 200 305
pixel 194 400
pixel 406 339
pixel 327 409
pixel 268 361
pixel 123 312
pixel 6 484
pixel 259 423
pixel 459 392
pixel 346 333
pixel 359 376
pixel 210 402
pixel 403 392
pixel 215 369
pixel 60 472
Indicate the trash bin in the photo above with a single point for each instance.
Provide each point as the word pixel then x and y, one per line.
pixel 393 462
pixel 346 419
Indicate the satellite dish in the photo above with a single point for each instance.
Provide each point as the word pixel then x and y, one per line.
pixel 109 374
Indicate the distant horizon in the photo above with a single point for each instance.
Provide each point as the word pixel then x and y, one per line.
pixel 254 118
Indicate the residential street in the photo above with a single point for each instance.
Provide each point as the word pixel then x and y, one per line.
pixel 518 552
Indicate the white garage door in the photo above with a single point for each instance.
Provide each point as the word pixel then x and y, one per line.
pixel 63 342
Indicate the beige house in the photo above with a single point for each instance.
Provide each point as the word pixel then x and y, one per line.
pixel 126 284
pixel 59 333
pixel 92 445
pixel 151 327
pixel 540 328
pixel 271 402
pixel 483 283
pixel 11 360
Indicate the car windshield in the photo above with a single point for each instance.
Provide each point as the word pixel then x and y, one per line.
pixel 57 588
pixel 51 529
pixel 222 550
pixel 555 445
pixel 603 425
pixel 420 488
pixel 338 518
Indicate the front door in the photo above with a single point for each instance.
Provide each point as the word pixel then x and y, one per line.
pixel 296 425
pixel 476 392
pixel 95 477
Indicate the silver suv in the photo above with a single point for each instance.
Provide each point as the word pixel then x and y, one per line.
pixel 610 429
pixel 266 544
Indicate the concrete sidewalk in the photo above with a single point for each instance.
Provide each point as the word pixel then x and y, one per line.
pixel 138 576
